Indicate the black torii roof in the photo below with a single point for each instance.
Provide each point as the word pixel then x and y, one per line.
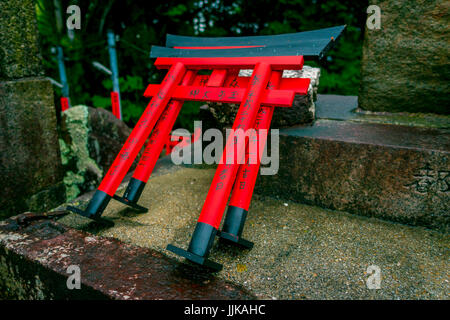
pixel 311 45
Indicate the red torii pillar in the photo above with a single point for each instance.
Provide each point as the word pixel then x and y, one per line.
pixel 214 206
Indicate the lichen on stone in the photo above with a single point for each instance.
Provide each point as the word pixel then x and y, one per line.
pixel 75 153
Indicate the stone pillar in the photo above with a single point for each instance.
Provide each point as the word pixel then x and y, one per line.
pixel 405 64
pixel 30 163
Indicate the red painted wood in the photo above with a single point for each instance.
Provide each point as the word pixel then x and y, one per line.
pixel 279 98
pixel 217 78
pixel 222 183
pixel 221 47
pixel 160 134
pixel 255 93
pixel 298 85
pixel 141 131
pixel 276 63
pixel 180 141
pixel 64 103
pixel 248 172
pixel 115 104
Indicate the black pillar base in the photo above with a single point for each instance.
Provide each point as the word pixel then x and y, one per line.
pixel 132 195
pixel 199 247
pixel 96 206
pixel 232 239
pixel 233 227
pixel 100 220
pixel 134 190
pixel 131 204
pixel 195 258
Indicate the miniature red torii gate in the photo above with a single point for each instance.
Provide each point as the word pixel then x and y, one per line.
pixel 257 95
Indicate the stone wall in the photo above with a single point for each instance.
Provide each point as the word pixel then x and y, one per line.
pixel 20 56
pixel 391 172
pixel 405 64
pixel 30 163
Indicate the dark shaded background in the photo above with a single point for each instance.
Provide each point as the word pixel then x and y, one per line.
pixel 140 24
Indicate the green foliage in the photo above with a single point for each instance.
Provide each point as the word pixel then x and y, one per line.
pixel 140 24
pixel 130 87
pixel 176 11
pixel 188 114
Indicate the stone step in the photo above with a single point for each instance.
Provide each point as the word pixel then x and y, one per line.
pixel 356 163
pixel 300 251
pixel 36 256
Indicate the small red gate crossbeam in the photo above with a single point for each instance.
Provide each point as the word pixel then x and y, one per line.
pixel 276 63
pixel 298 85
pixel 278 98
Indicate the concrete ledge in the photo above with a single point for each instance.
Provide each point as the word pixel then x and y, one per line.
pixel 300 251
pixel 398 173
pixel 35 255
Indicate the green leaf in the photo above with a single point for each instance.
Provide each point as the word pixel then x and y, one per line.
pixel 177 10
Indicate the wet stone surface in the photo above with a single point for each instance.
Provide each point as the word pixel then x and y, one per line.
pixel 35 255
pixel 300 252
pixel 397 173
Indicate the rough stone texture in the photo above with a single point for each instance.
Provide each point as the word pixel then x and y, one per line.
pixel 336 107
pixel 35 255
pixel 90 140
pixel 30 163
pixel 19 53
pixel 302 110
pixel 392 172
pixel 300 252
pixel 405 65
